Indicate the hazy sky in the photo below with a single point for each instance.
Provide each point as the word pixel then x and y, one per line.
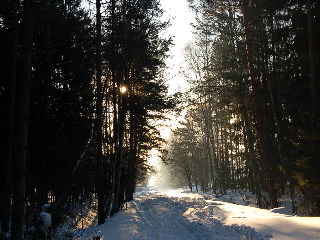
pixel 181 31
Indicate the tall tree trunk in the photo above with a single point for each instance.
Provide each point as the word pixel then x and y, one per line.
pixel 311 61
pixel 115 114
pixel 100 182
pixel 6 188
pixel 21 127
pixel 314 127
pixel 258 116
pixel 42 183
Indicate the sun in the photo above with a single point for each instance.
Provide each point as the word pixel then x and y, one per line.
pixel 123 89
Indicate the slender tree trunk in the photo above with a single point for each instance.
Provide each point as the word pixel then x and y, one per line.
pixel 231 156
pixel 258 116
pixel 119 158
pixel 215 142
pixel 249 142
pixel 115 114
pixel 42 183
pixel 6 187
pixel 206 131
pixel 311 61
pixel 132 159
pixel 314 126
pixel 132 164
pixel 21 127
pixel 100 182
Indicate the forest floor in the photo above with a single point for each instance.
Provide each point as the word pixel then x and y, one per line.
pixel 178 214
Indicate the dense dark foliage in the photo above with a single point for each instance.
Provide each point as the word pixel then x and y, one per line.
pixel 60 165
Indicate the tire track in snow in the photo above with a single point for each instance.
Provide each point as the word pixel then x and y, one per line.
pixel 171 218
pixel 162 218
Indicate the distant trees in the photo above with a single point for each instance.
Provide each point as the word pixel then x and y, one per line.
pixel 253 76
pixel 95 86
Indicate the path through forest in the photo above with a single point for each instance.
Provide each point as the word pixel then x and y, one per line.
pixel 179 214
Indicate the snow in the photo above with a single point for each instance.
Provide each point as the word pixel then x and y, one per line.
pixel 178 214
pixel 181 194
pixel 45 207
pixel 281 226
pixel 45 222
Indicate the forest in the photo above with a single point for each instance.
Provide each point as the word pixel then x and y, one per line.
pixel 252 111
pixel 79 93
pixel 82 86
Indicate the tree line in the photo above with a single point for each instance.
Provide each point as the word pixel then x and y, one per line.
pixel 252 118
pixel 81 84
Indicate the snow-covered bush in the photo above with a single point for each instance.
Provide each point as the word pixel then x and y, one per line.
pixel 41 225
pixel 46 222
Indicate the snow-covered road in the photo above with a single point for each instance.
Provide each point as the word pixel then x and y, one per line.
pixel 178 214
pixel 281 226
